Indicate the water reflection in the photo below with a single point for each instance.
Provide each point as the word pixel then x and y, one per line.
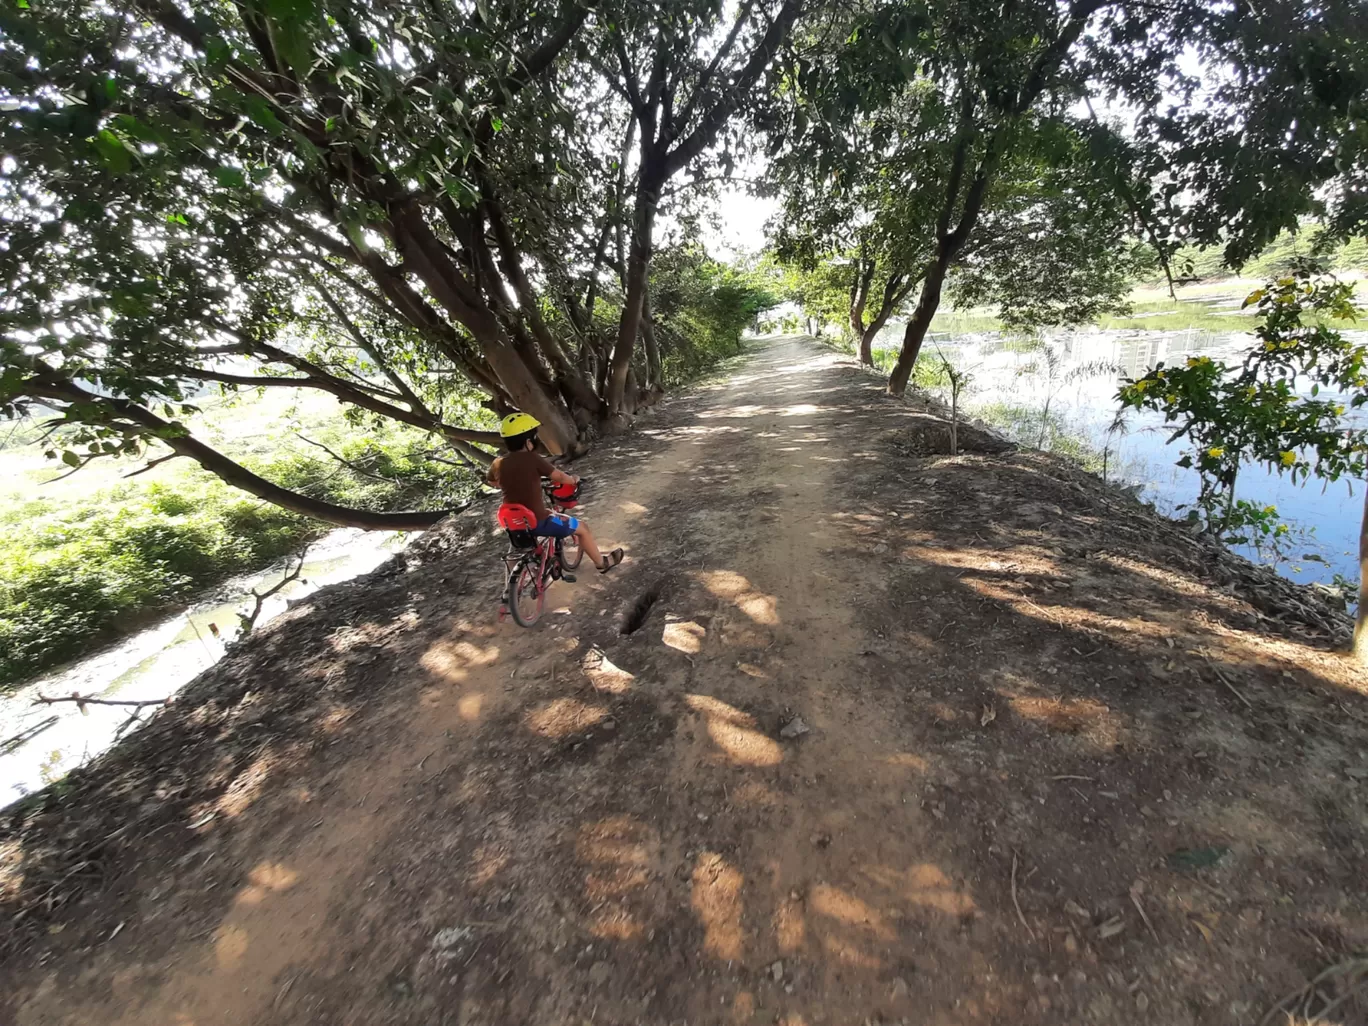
pixel 1014 385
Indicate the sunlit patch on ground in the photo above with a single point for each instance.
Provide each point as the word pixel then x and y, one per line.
pixel 265 879
pixel 563 716
pixel 735 733
pixel 729 585
pixel 453 660
pixel 924 885
pixel 606 675
pixel 245 787
pixel 716 901
pixel 684 636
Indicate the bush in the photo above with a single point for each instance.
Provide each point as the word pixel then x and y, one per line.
pixel 71 575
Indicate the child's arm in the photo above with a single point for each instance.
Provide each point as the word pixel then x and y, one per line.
pixel 493 476
pixel 560 477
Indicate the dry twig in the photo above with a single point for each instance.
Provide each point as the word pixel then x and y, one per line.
pixel 1222 678
pixel 1016 901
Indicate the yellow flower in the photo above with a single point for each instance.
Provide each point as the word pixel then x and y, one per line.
pixel 1216 452
pixel 1288 458
pixel 1272 511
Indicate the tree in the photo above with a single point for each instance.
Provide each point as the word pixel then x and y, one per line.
pixel 1269 410
pixel 681 92
pixel 993 90
pixel 411 208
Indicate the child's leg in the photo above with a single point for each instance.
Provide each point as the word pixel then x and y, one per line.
pixel 587 543
pixel 586 540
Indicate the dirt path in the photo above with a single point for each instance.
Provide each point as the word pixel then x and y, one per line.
pixel 1052 770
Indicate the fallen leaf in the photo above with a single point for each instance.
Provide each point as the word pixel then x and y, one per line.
pixel 1197 858
pixel 989 715
pixel 1204 930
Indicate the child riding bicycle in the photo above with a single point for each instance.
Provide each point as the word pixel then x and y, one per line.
pixel 519 472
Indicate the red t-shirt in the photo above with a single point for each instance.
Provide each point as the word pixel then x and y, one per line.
pixel 520 475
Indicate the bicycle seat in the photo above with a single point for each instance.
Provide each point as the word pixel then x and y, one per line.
pixel 520 523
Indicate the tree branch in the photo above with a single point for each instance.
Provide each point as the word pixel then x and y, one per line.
pixel 702 137
pixel 147 425
pixel 540 59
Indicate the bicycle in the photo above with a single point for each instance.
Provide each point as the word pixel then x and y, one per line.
pixel 532 564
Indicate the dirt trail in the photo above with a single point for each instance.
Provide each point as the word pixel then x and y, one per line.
pixel 1052 769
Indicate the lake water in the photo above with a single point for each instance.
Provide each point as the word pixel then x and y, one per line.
pixel 1010 387
pixel 41 743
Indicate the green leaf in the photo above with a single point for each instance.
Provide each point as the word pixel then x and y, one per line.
pixel 70 458
pixel 113 153
pixel 23 5
pixel 230 177
pixel 261 113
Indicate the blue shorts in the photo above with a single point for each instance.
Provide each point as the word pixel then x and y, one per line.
pixel 557 526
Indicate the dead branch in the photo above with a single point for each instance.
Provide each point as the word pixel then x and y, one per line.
pixel 246 621
pixel 84 700
pixel 153 463
pixel 351 465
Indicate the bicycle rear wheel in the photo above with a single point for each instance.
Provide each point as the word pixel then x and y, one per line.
pixel 569 553
pixel 525 593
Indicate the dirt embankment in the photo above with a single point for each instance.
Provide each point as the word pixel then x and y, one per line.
pixel 1052 761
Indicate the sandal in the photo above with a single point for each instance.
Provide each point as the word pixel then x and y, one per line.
pixel 611 560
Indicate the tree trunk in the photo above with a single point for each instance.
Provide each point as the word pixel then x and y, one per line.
pixel 648 339
pixel 557 429
pixel 859 296
pixel 638 267
pixel 239 476
pixel 1360 648
pixel 917 327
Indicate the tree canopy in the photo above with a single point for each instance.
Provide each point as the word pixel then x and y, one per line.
pixel 440 212
pixel 961 142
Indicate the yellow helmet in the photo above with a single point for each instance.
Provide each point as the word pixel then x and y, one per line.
pixel 518 424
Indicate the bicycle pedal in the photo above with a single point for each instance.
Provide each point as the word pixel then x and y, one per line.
pixel 567 578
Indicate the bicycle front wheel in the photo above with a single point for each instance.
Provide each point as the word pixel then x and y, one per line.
pixel 569 553
pixel 525 593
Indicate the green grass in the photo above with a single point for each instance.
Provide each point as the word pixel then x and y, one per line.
pixel 85 556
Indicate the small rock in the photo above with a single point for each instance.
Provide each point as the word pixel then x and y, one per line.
pixel 1357 773
pixel 1111 927
pixel 794 728
pixel 451 936
pixel 1070 944
pixel 821 840
pixel 900 989
pixel 599 973
pixel 609 724
pixel 1141 1001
